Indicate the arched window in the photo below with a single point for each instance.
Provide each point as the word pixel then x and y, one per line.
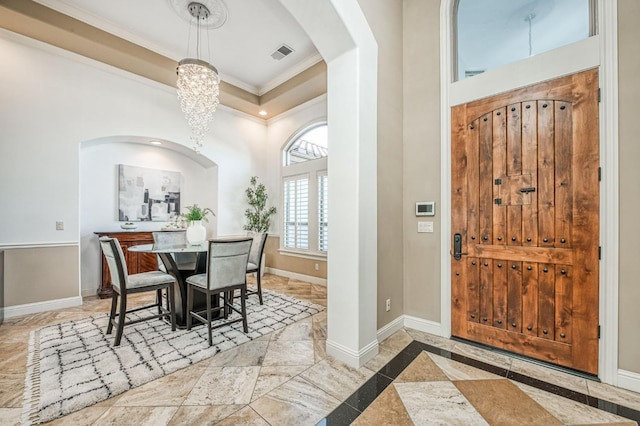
pixel 305 196
pixel 493 33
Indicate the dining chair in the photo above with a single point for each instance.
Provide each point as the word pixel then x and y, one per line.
pixel 184 261
pixel 124 284
pixel 255 262
pixel 226 272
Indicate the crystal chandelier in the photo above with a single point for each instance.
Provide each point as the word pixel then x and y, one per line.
pixel 198 82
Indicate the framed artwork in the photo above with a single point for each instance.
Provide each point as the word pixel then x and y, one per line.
pixel 147 194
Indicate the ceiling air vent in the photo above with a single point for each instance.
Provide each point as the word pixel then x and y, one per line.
pixel 281 52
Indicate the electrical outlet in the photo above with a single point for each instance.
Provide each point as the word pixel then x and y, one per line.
pixel 59 226
pixel 317 266
pixel 388 306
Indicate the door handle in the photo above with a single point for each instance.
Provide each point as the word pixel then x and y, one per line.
pixel 457 247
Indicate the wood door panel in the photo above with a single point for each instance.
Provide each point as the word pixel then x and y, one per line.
pixel 472 149
pixel 486 291
pixel 564 303
pixel 530 284
pixel 499 156
pixel 530 165
pixel 534 254
pixel 563 174
pixel 485 176
pixel 525 200
pixel 546 173
pixel 473 290
pixel 546 302
pixel 514 297
pixel 500 294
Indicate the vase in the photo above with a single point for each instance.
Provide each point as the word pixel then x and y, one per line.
pixel 196 233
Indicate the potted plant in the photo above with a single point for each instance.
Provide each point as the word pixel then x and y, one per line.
pixel 195 215
pixel 258 215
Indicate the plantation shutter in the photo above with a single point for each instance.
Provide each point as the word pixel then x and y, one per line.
pixel 296 212
pixel 323 212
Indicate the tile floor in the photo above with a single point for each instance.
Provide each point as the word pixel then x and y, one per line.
pixel 286 379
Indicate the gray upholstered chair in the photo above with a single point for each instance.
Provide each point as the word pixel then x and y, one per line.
pixel 255 261
pixel 226 272
pixel 184 261
pixel 124 284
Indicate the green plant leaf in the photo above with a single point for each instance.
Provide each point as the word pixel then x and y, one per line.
pixel 258 215
pixel 195 212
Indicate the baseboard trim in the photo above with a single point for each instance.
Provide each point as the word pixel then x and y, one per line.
pixel 34 308
pixel 629 380
pixel 296 276
pixel 355 359
pixel 424 325
pixel 408 321
pixel 390 328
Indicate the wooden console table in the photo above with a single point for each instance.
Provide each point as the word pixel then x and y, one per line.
pixel 136 262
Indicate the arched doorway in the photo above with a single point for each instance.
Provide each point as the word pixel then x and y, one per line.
pixel 350 51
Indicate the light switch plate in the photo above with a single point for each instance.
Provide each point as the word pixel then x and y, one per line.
pixel 425 226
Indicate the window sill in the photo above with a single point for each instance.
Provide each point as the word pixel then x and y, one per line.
pixel 304 254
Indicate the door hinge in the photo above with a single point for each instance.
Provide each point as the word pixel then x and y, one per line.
pixel 599 174
pixel 497 181
pixel 599 252
pixel 599 94
pixel 598 332
pixel 498 201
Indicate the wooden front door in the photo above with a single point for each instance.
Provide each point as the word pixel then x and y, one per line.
pixel 525 200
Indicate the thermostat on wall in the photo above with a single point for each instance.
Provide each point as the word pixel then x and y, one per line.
pixel 425 208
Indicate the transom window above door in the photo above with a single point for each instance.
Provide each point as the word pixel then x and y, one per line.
pixel 493 33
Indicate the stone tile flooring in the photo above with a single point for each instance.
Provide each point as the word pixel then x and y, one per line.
pixel 286 379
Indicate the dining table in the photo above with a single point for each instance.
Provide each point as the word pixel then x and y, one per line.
pixel 167 254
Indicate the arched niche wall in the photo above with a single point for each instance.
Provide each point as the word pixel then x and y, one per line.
pixel 98 180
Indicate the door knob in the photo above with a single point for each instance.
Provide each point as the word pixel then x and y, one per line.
pixel 457 247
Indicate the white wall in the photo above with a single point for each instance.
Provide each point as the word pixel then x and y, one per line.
pixel 99 194
pixel 52 101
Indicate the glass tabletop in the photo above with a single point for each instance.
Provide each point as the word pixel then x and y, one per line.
pixel 181 248
pixel 169 248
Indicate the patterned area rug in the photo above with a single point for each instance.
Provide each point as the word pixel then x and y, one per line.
pixel 73 365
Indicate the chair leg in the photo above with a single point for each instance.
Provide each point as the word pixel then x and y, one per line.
pixel 121 318
pixel 230 299
pixel 209 318
pixel 227 299
pixel 189 305
pixel 171 295
pixel 243 304
pixel 259 285
pixel 159 300
pixel 112 314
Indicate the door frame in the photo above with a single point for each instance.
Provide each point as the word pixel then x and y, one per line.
pixel 598 51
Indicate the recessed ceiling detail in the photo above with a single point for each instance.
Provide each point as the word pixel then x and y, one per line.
pixel 215 16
